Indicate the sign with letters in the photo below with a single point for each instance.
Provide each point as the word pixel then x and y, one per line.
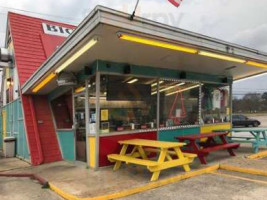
pixel 56 30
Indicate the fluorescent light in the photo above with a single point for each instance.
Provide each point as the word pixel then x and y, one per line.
pixel 132 81
pixel 76 55
pixel 80 89
pixel 185 89
pixel 168 88
pixel 155 43
pixel 153 93
pixel 44 82
pixel 222 57
pixel 155 84
pixel 256 64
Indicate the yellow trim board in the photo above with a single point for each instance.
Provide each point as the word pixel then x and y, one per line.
pixel 136 190
pixel 259 155
pixel 208 128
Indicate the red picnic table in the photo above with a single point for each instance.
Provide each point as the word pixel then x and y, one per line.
pixel 203 148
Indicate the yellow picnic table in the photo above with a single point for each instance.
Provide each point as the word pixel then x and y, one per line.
pixel 170 155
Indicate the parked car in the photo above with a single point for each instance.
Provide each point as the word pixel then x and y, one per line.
pixel 242 120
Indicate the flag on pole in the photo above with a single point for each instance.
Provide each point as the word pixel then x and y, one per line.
pixel 175 2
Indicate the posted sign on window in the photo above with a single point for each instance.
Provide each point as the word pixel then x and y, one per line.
pixel 56 30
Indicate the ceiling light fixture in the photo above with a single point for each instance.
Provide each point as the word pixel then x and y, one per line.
pixel 155 84
pixel 80 89
pixel 222 57
pixel 256 64
pixel 70 60
pixel 44 82
pixel 168 88
pixel 155 43
pixel 132 81
pixel 183 90
pixel 76 55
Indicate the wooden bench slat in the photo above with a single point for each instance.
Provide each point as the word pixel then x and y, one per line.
pixel 173 153
pixel 218 147
pixel 128 159
pixel 152 143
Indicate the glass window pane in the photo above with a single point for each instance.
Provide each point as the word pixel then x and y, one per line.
pixel 215 104
pixel 127 103
pixel 179 103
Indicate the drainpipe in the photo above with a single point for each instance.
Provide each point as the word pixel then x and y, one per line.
pixel 36 133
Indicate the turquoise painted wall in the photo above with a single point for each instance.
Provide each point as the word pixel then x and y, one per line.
pixel 169 135
pixel 66 141
pixel 15 127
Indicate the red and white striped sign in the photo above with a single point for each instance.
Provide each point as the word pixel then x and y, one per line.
pixel 175 2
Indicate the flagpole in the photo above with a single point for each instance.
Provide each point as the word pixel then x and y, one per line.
pixel 133 14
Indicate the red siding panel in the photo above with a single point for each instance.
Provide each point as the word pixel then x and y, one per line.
pixel 32 142
pixel 109 144
pixel 46 130
pixel 26 33
pixel 43 143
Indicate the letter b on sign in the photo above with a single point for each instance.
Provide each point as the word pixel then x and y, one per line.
pixel 56 30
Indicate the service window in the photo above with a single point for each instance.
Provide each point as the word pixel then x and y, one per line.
pixel 179 103
pixel 127 103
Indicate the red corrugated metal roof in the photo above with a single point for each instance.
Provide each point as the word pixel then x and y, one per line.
pixel 28 37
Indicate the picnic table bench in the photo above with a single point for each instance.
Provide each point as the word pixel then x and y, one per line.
pixel 258 136
pixel 203 148
pixel 170 155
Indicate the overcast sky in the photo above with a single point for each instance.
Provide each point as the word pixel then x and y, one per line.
pixel 239 21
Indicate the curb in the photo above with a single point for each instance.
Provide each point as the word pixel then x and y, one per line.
pixel 258 155
pixel 139 189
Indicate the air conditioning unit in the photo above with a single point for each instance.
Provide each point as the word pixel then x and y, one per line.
pixel 6 58
pixel 5 55
pixel 66 79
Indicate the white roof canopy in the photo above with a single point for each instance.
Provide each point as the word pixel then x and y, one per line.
pixel 105 24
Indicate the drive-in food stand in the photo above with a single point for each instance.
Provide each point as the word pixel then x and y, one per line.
pixel 115 79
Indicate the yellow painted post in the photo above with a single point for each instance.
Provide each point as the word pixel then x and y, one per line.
pixel 91 152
